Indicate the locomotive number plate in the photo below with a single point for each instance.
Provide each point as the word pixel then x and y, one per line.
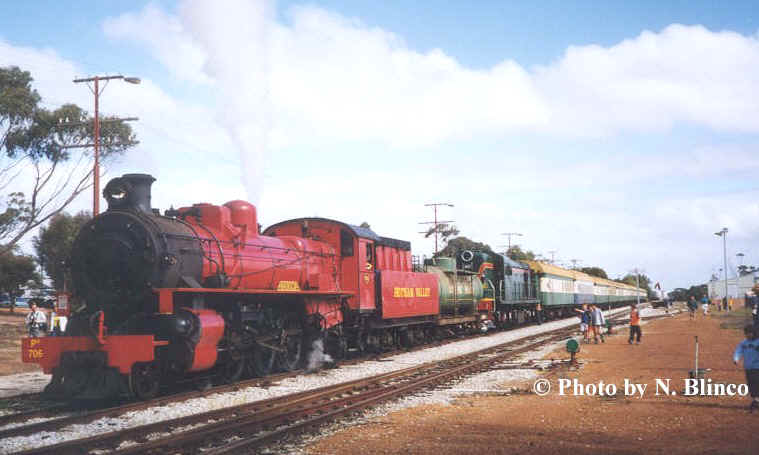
pixel 288 286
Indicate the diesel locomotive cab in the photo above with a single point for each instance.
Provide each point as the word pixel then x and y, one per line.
pixel 121 255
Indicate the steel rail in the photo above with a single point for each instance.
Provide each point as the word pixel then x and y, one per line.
pixel 51 411
pixel 59 423
pixel 269 411
pixel 257 430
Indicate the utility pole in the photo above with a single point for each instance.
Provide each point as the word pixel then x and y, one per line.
pixel 511 234
pixel 96 90
pixel 552 252
pixel 435 222
pixel 637 283
pixel 723 234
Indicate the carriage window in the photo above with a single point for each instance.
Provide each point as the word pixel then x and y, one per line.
pixel 369 255
pixel 346 243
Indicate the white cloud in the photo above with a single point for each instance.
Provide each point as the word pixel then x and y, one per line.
pixel 52 74
pixel 166 38
pixel 340 80
pixel 682 75
pixel 334 79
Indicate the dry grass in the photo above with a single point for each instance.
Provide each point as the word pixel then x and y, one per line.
pixel 736 319
pixel 12 329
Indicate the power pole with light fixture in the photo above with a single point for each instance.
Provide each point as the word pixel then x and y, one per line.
pixel 96 90
pixel 723 234
pixel 637 283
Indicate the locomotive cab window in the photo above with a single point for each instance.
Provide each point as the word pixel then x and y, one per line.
pixel 346 243
pixel 369 255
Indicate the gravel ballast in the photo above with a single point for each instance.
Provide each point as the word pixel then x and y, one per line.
pixel 485 381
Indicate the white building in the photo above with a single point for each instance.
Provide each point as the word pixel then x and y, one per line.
pixel 736 288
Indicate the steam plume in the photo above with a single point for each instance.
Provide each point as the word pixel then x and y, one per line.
pixel 235 36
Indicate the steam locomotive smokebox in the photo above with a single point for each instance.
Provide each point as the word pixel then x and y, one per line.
pixel 122 254
pixel 130 191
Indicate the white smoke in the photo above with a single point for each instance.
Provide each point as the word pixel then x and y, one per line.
pixel 234 36
pixel 317 357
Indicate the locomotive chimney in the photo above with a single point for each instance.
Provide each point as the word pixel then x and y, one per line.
pixel 130 191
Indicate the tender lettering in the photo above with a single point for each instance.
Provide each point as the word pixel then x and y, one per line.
pixel 403 292
pixel 411 292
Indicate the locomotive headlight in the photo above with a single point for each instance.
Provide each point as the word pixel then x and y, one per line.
pixel 118 193
pixel 183 326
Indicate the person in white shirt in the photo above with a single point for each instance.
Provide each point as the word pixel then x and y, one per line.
pixel 598 322
pixel 35 321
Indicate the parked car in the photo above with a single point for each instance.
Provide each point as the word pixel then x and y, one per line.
pixel 42 302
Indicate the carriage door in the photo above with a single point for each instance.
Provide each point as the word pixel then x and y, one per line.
pixel 366 266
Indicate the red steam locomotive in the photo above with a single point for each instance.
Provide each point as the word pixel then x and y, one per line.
pixel 200 294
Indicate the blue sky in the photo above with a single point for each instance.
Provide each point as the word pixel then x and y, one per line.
pixel 623 134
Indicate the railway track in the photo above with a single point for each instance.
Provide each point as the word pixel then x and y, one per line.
pixel 52 410
pixel 304 408
pixel 253 424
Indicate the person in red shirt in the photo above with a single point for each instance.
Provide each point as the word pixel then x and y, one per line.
pixel 634 325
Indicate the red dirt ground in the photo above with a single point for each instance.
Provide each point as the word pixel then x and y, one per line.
pixel 553 424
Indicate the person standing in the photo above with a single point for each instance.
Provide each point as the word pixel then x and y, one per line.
pixel 584 322
pixel 539 313
pixel 749 350
pixel 705 305
pixel 35 321
pixel 597 316
pixel 635 325
pixel 692 306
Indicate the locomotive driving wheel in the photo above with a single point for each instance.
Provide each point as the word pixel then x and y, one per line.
pixel 337 346
pixel 234 366
pixel 289 358
pixel 145 380
pixel 234 359
pixel 291 342
pixel 262 361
